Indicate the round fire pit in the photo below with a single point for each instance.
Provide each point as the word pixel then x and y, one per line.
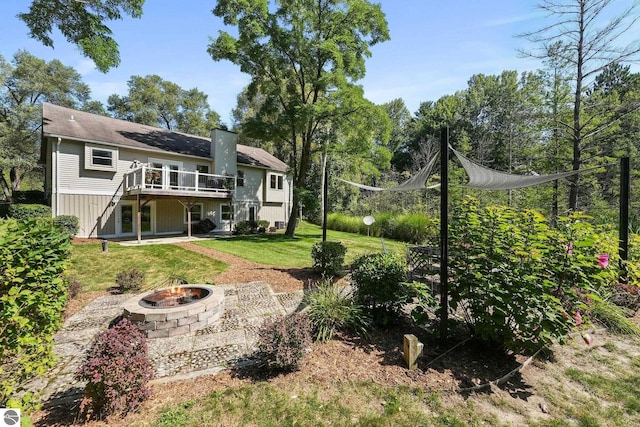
pixel 175 311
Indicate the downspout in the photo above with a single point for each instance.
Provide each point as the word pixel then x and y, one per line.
pixel 57 180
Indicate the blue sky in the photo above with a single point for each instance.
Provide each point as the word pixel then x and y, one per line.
pixel 435 47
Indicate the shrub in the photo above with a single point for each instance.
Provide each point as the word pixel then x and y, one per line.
pixel 117 370
pixel 25 212
pixel 129 280
pixel 4 209
pixel 328 258
pixel 283 341
pixel 378 281
pixel 251 227
pixel 74 289
pixel 203 226
pixel 33 294
pixel 332 309
pixel 517 278
pixel 67 224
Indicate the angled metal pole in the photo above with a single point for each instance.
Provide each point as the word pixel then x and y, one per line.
pixel 623 248
pixel 444 231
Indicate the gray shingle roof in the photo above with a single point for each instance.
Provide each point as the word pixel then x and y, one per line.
pixel 66 122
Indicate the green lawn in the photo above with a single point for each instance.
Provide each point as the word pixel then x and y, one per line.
pixel 278 249
pixel 97 270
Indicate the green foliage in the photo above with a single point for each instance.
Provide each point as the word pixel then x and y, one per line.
pixel 67 224
pixel 81 25
pixel 117 370
pixel 250 227
pixel 328 258
pixel 25 84
pixel 130 280
pixel 411 228
pixel 284 340
pixel 27 212
pixel 291 40
pixel 33 295
pixel 332 309
pixel 424 300
pixel 378 281
pixel 613 317
pixel 157 102
pixel 517 279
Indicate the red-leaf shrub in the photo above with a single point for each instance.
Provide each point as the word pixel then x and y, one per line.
pixel 284 340
pixel 118 370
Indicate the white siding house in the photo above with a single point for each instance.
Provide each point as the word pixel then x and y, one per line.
pixel 123 179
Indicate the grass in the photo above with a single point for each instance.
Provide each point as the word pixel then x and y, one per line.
pixel 97 270
pixel 338 404
pixel 278 249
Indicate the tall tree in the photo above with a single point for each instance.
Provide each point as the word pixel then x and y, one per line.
pixel 156 102
pixel 557 78
pixel 592 43
pixel 81 22
pixel 25 83
pixel 303 57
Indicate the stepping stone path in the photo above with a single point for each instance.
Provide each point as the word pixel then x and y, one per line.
pixel 229 342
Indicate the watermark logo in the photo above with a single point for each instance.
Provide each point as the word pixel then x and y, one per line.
pixel 9 417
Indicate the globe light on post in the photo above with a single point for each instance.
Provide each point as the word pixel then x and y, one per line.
pixel 368 220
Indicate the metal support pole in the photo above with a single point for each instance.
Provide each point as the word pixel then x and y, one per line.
pixel 623 249
pixel 325 192
pixel 139 224
pixel 444 231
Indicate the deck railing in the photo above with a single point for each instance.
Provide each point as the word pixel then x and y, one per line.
pixel 149 178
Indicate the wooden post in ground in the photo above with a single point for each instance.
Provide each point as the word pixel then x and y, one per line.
pixel 412 351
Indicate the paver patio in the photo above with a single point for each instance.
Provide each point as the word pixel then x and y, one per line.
pixel 230 341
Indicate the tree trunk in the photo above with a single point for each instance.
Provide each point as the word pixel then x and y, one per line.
pixel 577 105
pixel 8 195
pixel 16 179
pixel 300 177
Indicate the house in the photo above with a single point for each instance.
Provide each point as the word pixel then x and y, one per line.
pixel 124 179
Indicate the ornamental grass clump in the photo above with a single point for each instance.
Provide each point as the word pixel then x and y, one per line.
pixel 332 309
pixel 283 341
pixel 117 370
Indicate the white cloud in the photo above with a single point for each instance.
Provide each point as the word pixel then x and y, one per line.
pixel 102 90
pixel 85 67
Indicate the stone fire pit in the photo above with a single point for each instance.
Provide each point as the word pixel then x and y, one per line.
pixel 175 311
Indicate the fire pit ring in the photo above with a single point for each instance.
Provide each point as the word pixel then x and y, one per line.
pixel 175 311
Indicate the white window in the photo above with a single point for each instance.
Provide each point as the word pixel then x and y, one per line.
pixel 227 212
pixel 100 158
pixel 240 179
pixel 276 182
pixel 196 213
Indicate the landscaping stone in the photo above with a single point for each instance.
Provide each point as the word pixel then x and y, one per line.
pixel 221 339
